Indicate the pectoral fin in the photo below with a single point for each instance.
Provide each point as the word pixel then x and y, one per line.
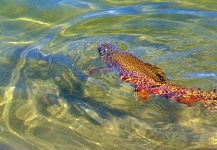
pixel 141 94
pixel 98 70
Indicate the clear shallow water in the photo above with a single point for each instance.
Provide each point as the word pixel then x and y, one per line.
pixel 47 100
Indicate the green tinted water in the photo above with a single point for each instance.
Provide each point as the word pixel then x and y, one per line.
pixel 48 101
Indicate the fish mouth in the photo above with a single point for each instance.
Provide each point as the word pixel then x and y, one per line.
pixel 100 46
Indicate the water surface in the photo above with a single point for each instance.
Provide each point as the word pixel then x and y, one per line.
pixel 48 101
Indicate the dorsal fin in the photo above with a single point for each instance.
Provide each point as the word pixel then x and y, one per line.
pixel 159 74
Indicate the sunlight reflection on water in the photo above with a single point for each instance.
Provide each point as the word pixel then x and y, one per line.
pixel 48 101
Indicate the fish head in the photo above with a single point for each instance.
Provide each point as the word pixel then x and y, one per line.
pixel 106 51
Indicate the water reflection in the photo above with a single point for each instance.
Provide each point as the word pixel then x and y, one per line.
pixel 47 100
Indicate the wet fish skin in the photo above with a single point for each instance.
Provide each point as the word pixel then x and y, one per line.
pixel 149 79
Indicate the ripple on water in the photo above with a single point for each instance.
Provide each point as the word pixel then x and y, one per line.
pixel 49 101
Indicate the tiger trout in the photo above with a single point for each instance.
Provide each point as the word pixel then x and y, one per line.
pixel 148 79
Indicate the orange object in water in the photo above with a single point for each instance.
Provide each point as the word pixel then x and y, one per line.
pixel 149 79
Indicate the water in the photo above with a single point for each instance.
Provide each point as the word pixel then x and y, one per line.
pixel 48 101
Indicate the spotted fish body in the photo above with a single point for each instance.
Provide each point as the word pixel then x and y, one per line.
pixel 127 63
pixel 149 79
